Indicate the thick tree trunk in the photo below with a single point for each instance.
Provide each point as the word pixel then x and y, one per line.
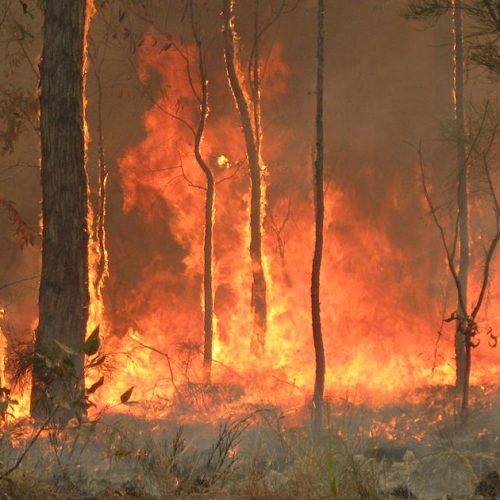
pixel 64 289
pixel 319 381
pixel 461 352
pixel 259 298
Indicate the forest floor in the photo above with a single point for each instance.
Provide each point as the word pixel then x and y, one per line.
pixel 412 449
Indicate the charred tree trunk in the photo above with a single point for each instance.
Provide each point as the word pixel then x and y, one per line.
pixel 254 77
pixel 461 351
pixel 259 298
pixel 64 289
pixel 319 381
pixel 464 409
pixel 208 296
pixel 102 261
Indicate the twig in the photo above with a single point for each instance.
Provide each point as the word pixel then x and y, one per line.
pixel 30 445
pixel 449 255
pixel 162 353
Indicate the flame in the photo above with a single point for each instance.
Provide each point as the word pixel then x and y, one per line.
pixel 379 318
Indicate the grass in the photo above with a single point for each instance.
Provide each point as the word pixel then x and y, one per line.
pixel 252 455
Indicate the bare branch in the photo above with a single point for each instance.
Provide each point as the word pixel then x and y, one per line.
pixel 449 254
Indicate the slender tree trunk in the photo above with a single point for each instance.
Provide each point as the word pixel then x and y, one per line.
pixel 461 351
pixel 319 381
pixel 102 262
pixel 208 296
pixel 64 288
pixel 464 410
pixel 259 298
pixel 255 81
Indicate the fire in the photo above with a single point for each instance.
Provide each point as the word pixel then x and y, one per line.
pixel 223 161
pixel 379 319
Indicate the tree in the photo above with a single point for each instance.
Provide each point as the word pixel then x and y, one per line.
pixel 252 140
pixel 434 9
pixel 463 193
pixel 199 89
pixel 483 15
pixel 319 210
pixel 486 18
pixel 97 56
pixel 58 369
pixel 208 296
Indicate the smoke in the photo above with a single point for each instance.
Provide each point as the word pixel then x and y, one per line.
pixel 387 84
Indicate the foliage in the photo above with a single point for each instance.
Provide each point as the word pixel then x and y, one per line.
pixel 427 10
pixel 17 107
pixel 6 402
pixel 482 19
pixel 23 232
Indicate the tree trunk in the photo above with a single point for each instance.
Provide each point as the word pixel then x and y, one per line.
pixel 259 299
pixel 101 271
pixel 319 381
pixel 254 77
pixel 461 352
pixel 208 296
pixel 64 289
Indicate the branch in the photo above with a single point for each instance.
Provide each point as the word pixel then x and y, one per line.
pixel 23 230
pixel 428 10
pixel 493 244
pixel 164 354
pixel 30 445
pixel 449 255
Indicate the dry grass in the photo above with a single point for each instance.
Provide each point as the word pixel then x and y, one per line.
pixel 249 456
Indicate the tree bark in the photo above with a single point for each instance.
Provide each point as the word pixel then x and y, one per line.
pixel 319 381
pixel 101 270
pixel 259 293
pixel 64 288
pixel 208 296
pixel 461 352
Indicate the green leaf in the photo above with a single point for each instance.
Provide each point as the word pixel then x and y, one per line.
pixel 87 428
pixel 126 395
pixel 66 348
pixel 95 386
pixel 81 405
pixel 93 343
pixel 132 403
pixel 64 404
pixel 97 361
pixel 122 453
pixel 4 406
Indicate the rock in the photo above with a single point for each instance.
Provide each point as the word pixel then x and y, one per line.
pixel 482 463
pixel 402 492
pixel 389 453
pixel 275 481
pixel 409 457
pixel 489 486
pixel 446 474
pixel 394 476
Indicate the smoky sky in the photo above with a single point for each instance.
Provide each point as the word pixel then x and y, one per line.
pixel 388 85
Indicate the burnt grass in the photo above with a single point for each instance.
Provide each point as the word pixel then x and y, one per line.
pixel 263 452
